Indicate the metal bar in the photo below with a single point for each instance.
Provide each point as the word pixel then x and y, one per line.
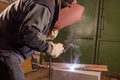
pixel 96 46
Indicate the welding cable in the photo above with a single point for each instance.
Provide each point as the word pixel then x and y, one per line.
pixel 50 60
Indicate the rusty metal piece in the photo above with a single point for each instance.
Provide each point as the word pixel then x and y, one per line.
pixel 3 5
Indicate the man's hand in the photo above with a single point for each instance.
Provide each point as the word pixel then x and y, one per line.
pixel 53 34
pixel 57 49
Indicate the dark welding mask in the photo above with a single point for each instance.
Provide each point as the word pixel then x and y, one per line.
pixel 69 14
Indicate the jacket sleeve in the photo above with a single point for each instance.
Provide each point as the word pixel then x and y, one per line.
pixel 31 29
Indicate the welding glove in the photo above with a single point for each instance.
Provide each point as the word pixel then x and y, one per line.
pixel 57 49
pixel 53 34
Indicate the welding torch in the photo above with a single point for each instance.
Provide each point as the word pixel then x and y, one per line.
pixel 67 46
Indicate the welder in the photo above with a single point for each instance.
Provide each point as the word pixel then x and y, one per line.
pixel 25 26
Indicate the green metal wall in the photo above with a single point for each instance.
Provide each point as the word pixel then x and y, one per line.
pixel 109 50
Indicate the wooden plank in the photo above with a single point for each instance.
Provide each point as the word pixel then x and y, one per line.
pixel 27 65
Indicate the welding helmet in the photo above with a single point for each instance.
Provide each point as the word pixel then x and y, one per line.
pixel 69 15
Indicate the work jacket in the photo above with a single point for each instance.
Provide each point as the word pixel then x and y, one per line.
pixel 25 24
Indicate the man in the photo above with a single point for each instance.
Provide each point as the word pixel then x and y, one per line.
pixel 25 26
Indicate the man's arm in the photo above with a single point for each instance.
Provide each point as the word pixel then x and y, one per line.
pixel 31 29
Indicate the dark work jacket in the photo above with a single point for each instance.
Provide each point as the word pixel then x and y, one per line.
pixel 25 24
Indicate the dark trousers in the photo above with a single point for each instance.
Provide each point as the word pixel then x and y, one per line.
pixel 10 66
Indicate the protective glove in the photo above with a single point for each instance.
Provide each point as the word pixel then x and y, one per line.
pixel 57 49
pixel 53 34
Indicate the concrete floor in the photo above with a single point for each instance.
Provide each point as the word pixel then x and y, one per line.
pixel 41 74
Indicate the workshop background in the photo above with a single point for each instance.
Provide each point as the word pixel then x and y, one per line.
pixel 96 38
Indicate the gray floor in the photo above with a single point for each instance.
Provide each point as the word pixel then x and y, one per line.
pixel 43 74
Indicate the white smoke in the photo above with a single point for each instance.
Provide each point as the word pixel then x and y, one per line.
pixel 82 28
